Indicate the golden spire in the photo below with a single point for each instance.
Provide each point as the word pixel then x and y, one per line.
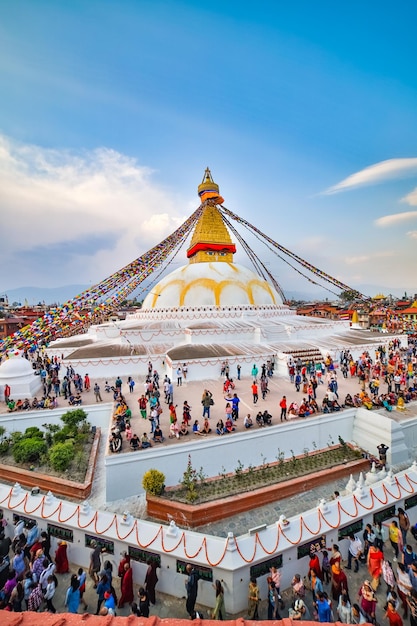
pixel 211 240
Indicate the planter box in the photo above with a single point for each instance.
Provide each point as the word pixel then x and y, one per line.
pixel 58 486
pixel 194 515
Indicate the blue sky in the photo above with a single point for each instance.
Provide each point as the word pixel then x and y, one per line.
pixel 305 112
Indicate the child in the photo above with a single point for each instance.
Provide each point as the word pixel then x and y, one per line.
pixel 128 432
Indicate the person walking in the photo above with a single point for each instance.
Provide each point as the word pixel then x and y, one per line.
pixel 191 586
pixel 49 594
pixel 151 578
pixel 72 597
pixel 254 392
pixel 253 599
pixel 283 405
pixel 219 611
pixel 95 562
pixel 97 392
pixel 404 523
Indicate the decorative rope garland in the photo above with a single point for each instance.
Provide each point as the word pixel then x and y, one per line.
pixel 163 532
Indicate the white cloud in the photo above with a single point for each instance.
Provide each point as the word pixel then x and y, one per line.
pixel 364 258
pixel 51 197
pixel 412 234
pixel 377 173
pixel 396 218
pixel 411 198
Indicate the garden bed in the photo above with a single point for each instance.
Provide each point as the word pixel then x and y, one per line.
pixel 59 484
pixel 229 494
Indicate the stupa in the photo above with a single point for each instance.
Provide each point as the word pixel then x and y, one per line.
pixel 205 311
pixel 211 278
pixel 17 372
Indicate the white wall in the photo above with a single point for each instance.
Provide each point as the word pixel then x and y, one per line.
pixel 214 453
pixel 98 415
pixel 228 563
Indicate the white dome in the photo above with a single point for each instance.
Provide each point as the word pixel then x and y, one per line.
pixel 211 284
pixel 15 366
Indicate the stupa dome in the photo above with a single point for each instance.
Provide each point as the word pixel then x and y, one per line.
pixel 17 372
pixel 211 278
pixel 211 284
pixel 15 366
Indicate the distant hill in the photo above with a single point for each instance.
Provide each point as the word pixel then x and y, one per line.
pixel 59 295
pixel 49 295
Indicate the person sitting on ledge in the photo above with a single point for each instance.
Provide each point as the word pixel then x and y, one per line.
pixel 356 400
pixel 228 426
pixel 115 442
pixel 206 426
pixel 366 400
pixel 144 441
pixel 400 403
pixel 260 419
pixel 267 418
pixel 174 431
pixel 247 421
pixel 220 427
pixel 348 400
pixel 183 429
pixel 35 403
pixel 303 410
pixel 313 406
pixel 196 429
pixel 75 400
pixel 11 406
pixel 26 404
pixel 134 442
pixel 385 403
pixel 325 405
pixel 157 434
pixel 293 410
pixel 19 405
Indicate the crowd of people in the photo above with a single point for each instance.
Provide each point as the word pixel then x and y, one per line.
pixel 322 593
pixel 29 576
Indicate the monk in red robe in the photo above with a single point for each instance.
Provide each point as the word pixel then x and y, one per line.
pixel 61 559
pixel 126 586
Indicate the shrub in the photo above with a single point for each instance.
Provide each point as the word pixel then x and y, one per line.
pixel 61 455
pixel 74 419
pixel 29 450
pixel 33 432
pixel 153 482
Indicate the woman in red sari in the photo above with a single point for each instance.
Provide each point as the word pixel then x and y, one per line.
pixel 61 559
pixel 375 560
pixel 126 586
pixel 339 581
pixel 315 565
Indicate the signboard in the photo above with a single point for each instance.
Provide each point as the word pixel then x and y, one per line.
pixel 260 569
pixel 205 573
pixel 352 529
pixel 142 556
pixel 387 513
pixel 60 533
pixel 307 549
pixel 410 502
pixel 103 543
